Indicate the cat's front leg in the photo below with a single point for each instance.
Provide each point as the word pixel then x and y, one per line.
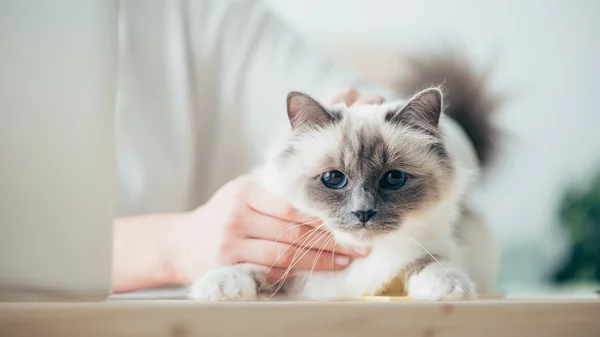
pixel 230 283
pixel 437 279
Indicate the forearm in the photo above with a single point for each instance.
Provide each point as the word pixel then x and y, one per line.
pixel 141 250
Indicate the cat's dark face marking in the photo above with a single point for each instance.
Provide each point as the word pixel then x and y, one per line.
pixel 364 158
pixel 364 149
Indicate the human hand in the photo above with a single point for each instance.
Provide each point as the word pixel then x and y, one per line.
pixel 351 96
pixel 242 223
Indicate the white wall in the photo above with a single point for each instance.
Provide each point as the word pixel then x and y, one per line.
pixel 57 86
pixel 548 57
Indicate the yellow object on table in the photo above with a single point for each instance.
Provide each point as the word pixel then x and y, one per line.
pixel 385 298
pixel 393 291
pixel 395 287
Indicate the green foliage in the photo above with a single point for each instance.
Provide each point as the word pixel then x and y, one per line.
pixel 580 218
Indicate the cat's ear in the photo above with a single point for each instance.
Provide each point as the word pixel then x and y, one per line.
pixel 303 110
pixel 423 109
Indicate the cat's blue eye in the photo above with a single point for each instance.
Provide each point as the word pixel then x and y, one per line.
pixel 393 180
pixel 334 179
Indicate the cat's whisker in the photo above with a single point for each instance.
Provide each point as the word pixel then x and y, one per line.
pixel 304 249
pixel 319 253
pixel 296 225
pixel 332 259
pixel 475 242
pixel 461 233
pixel 304 242
pixel 307 249
pixel 316 260
pixel 297 259
pixel 309 233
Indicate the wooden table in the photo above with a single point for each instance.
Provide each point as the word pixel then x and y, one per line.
pixel 505 318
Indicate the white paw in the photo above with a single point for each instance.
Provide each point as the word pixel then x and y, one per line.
pixel 225 284
pixel 435 282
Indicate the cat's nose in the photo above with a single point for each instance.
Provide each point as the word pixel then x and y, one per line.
pixel 364 216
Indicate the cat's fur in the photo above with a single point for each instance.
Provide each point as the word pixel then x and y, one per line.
pixel 423 228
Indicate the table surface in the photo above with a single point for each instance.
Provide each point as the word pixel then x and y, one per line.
pixel 179 318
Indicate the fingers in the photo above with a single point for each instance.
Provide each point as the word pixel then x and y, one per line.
pixel 274 219
pixel 352 97
pixel 260 226
pixel 264 202
pixel 348 96
pixel 369 99
pixel 280 255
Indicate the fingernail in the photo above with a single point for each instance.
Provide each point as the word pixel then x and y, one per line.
pixel 361 250
pixel 342 260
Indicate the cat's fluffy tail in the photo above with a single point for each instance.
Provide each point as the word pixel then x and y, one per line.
pixel 467 98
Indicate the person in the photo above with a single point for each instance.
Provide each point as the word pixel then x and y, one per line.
pixel 201 92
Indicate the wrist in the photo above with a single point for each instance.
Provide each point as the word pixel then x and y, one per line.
pixel 176 234
pixel 143 250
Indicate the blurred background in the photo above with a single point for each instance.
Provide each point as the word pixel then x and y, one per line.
pixel 541 194
pixel 545 57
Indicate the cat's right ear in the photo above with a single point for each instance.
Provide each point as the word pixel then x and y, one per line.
pixel 303 110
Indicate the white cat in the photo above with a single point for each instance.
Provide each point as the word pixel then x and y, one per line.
pixel 392 177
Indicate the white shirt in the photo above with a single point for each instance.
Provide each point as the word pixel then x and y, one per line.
pixel 201 92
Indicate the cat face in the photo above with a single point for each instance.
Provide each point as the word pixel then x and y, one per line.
pixel 364 170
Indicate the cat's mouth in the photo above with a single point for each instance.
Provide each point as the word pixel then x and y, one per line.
pixel 364 232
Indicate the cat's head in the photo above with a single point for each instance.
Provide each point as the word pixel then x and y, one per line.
pixel 364 169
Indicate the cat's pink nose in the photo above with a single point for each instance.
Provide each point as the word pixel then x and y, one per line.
pixel 364 216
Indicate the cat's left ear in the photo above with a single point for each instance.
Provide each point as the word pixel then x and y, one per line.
pixel 303 110
pixel 423 109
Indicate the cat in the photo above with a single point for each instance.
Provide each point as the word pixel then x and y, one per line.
pixel 394 177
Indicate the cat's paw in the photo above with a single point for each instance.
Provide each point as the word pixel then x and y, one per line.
pixel 435 282
pixel 225 284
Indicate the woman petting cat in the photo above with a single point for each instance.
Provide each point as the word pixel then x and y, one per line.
pixel 359 193
pixel 393 178
pixel 240 223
